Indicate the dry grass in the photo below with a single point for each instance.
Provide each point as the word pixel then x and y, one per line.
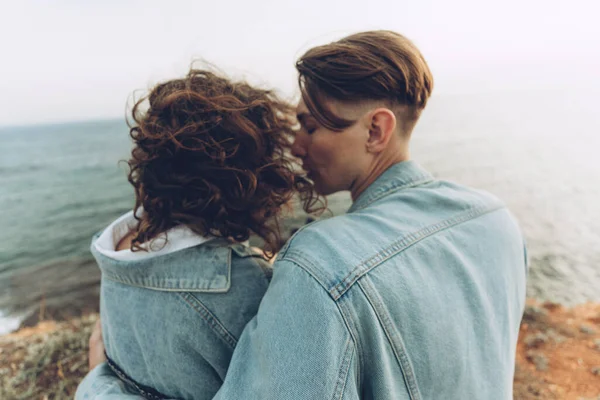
pixel 45 362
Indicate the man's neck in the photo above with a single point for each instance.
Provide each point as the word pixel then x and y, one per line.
pixel 380 165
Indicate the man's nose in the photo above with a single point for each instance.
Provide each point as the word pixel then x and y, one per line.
pixel 298 147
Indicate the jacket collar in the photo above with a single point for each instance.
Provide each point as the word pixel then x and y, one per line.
pixel 179 238
pixel 203 268
pixel 397 177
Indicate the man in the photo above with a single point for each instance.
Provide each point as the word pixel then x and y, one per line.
pixel 418 291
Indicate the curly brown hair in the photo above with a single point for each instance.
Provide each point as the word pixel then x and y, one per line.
pixel 213 155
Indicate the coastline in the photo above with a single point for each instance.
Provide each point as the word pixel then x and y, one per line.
pixel 558 355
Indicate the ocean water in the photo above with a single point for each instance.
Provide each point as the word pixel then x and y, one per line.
pixel 59 184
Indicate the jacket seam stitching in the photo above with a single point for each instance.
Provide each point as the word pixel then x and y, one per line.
pixel 344 311
pixel 403 360
pixel 212 321
pixel 117 279
pixel 401 245
pixel 344 371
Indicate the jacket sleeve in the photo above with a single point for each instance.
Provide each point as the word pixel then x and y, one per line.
pixel 297 346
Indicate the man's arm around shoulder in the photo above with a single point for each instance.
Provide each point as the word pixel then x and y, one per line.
pixel 297 346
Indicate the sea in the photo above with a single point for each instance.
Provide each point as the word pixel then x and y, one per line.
pixel 539 151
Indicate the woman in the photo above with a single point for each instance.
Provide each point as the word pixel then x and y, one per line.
pixel 210 167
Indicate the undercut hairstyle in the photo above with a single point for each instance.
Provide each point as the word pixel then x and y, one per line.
pixel 367 66
pixel 214 155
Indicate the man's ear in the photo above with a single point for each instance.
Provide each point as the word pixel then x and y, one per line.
pixel 382 127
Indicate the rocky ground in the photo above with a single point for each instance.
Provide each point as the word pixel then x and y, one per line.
pixel 558 356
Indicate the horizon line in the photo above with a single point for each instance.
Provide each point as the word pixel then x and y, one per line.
pixel 61 122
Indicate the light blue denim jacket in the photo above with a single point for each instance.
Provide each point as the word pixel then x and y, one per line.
pixel 170 322
pixel 416 293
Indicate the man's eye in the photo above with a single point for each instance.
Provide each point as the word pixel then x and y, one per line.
pixel 310 129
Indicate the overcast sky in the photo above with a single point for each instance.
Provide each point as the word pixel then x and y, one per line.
pixel 67 60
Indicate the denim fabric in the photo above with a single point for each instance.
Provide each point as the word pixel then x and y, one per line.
pixel 416 293
pixel 171 322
